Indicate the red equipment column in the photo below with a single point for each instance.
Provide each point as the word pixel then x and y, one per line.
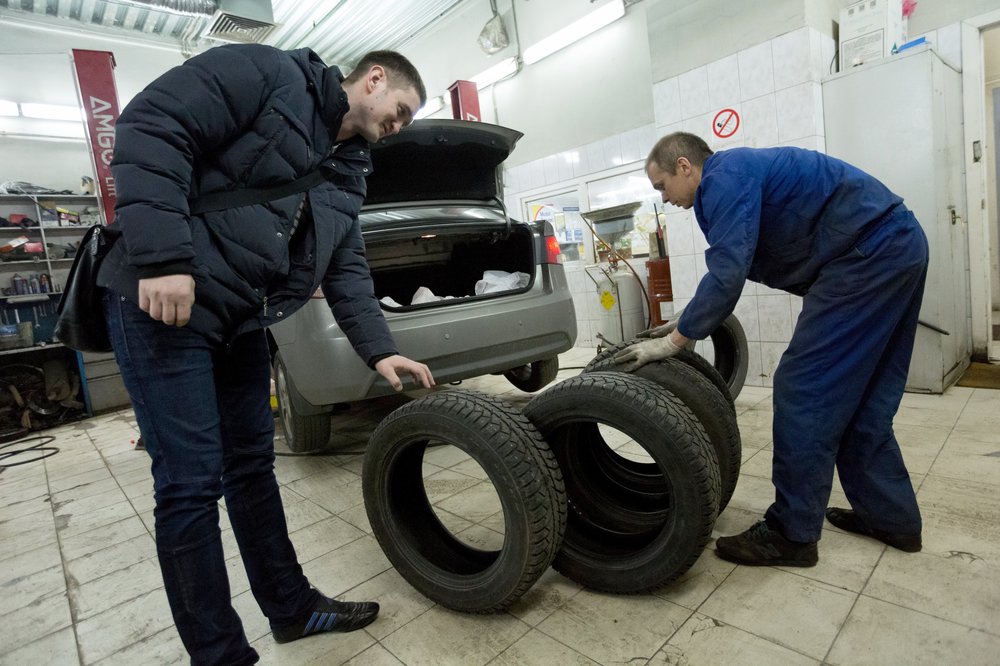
pixel 95 82
pixel 464 100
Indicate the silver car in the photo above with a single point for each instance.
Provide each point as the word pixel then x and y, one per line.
pixel 434 224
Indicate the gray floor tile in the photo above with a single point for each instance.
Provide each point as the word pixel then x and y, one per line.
pixel 879 633
pixel 793 611
pixel 703 640
pixel 937 606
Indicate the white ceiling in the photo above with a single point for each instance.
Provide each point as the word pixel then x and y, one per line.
pixel 341 31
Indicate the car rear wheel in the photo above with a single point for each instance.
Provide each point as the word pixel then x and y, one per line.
pixel 303 432
pixel 533 376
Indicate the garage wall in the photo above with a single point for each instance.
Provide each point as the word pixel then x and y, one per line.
pixel 36 68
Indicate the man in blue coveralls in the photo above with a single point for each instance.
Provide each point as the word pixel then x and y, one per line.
pixel 817 227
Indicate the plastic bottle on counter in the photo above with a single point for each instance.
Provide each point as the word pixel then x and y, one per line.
pixel 34 286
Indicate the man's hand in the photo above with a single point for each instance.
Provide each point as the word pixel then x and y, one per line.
pixel 661 331
pixel 168 298
pixel 392 366
pixel 639 354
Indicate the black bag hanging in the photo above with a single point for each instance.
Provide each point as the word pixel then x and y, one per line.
pixel 81 324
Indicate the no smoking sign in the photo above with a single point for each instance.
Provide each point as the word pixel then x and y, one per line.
pixel 725 123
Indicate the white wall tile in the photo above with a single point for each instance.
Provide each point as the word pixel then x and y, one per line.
pixel 746 312
pixel 683 276
pixel 595 156
pixel 724 82
pixel 701 126
pixel 694 92
pixel 796 307
pixel 792 62
pixel 799 112
pixel 808 142
pixel 775 318
pixel 663 130
pixel 536 171
pixel 667 102
pixel 581 166
pixel 700 242
pixel 550 166
pixel 764 290
pixel 511 182
pixel 680 303
pixel 647 137
pixel 700 268
pixel 770 354
pixel 612 151
pixel 760 122
pixel 632 150
pixel 565 164
pixel 949 44
pixel 753 365
pixel 680 234
pixel 756 71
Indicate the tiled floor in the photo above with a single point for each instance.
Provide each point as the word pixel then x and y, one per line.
pixel 79 581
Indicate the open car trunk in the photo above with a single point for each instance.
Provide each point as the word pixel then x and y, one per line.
pixel 433 217
pixel 449 264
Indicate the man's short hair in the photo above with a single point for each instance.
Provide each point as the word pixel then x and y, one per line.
pixel 670 148
pixel 401 71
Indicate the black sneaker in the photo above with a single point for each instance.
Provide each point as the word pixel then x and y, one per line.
pixel 848 521
pixel 329 615
pixel 762 546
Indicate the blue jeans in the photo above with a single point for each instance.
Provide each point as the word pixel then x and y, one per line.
pixel 839 384
pixel 204 413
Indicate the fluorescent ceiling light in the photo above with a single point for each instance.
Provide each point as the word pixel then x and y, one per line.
pixel 433 105
pixel 8 108
pixel 576 30
pixel 52 112
pixel 501 70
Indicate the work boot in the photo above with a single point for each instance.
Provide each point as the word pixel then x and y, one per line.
pixel 762 546
pixel 848 521
pixel 328 615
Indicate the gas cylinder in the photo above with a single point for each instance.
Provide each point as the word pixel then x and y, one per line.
pixel 621 305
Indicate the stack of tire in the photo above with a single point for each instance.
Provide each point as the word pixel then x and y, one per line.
pixel 569 499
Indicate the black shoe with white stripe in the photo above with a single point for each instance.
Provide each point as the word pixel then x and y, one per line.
pixel 329 615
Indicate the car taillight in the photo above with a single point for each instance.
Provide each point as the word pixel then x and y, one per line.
pixel 553 255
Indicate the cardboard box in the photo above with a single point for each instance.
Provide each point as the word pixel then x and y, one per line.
pixel 870 30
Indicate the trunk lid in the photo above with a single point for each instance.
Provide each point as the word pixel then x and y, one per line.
pixel 440 160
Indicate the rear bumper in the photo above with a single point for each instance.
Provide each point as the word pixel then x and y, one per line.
pixel 457 341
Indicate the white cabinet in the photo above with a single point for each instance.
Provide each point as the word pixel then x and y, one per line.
pixel 900 119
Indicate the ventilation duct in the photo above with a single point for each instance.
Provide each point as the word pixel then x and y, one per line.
pixel 246 21
pixel 185 7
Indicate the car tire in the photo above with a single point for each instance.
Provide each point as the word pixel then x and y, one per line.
pixel 525 476
pixel 303 432
pixel 535 375
pixel 605 552
pixel 732 356
pixel 713 411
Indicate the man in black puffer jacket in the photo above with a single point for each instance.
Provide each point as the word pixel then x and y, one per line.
pixel 188 297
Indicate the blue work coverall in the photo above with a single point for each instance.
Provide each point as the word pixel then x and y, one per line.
pixel 817 227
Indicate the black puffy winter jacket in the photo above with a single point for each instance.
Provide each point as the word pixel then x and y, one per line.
pixel 236 117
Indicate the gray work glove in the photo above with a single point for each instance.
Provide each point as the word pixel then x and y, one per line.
pixel 639 354
pixel 661 331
